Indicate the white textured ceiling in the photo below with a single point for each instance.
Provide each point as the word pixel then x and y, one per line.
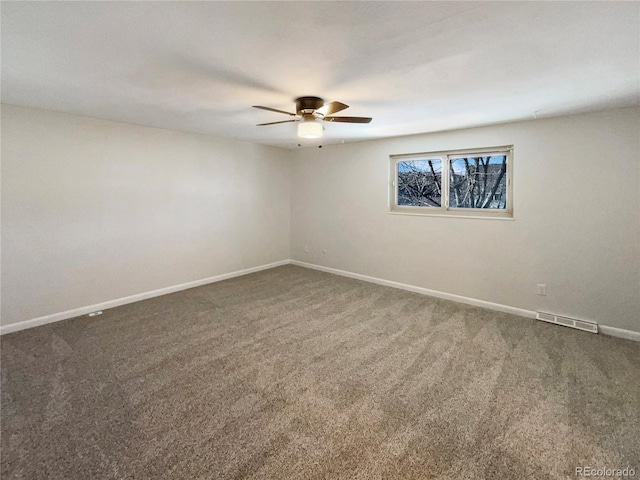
pixel 413 66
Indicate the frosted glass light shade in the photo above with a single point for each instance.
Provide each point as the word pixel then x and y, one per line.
pixel 310 129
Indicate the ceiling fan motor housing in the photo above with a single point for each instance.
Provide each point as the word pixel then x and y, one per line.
pixel 312 109
pixel 307 105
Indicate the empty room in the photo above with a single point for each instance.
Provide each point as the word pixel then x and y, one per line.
pixel 320 240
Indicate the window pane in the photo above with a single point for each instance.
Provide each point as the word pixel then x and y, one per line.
pixel 478 182
pixel 420 182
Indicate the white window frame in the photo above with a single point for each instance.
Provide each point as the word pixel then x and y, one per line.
pixel 444 210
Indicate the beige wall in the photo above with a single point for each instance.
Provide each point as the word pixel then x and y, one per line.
pixel 576 226
pixel 94 210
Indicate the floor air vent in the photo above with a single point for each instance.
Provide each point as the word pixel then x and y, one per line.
pixel 568 322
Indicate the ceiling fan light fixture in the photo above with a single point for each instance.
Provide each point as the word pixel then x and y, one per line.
pixel 310 113
pixel 310 129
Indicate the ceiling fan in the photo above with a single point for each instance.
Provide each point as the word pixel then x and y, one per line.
pixel 311 111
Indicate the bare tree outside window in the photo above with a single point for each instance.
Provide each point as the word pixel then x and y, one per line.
pixel 478 182
pixel 420 183
pixel 464 183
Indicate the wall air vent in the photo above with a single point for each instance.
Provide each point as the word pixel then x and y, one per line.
pixel 568 322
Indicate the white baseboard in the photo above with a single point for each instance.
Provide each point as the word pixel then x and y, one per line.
pixel 76 312
pixel 604 329
pixel 424 291
pixel 619 332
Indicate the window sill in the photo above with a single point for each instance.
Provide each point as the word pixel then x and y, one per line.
pixel 506 216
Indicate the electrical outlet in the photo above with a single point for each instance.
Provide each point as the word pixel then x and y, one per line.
pixel 324 251
pixel 541 289
pixel 306 249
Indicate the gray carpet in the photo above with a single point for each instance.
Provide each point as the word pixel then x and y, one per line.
pixel 293 373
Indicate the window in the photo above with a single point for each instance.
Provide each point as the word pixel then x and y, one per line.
pixel 459 183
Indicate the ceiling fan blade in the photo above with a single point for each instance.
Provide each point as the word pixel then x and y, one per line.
pixel 274 123
pixel 274 110
pixel 331 108
pixel 348 119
